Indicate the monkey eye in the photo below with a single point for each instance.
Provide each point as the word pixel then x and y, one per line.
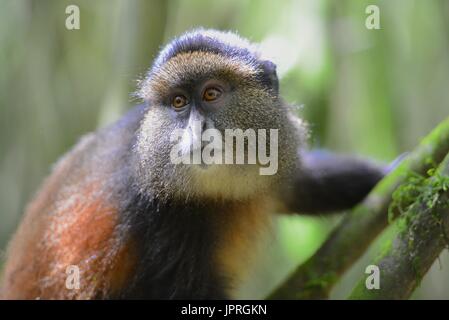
pixel 211 94
pixel 179 101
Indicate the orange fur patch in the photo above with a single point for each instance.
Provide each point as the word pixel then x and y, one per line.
pixel 84 233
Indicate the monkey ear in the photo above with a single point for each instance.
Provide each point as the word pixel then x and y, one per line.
pixel 270 77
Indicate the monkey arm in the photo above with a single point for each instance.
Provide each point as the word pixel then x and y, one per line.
pixel 326 182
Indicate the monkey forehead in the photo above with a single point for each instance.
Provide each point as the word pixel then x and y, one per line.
pixel 190 67
pixel 225 43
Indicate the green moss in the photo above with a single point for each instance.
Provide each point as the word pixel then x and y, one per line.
pixel 322 282
pixel 385 249
pixel 408 201
pixel 416 265
pixel 418 189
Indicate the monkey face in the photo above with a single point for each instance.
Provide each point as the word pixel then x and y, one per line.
pixel 202 93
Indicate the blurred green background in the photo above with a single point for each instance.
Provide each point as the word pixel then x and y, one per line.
pixel 370 92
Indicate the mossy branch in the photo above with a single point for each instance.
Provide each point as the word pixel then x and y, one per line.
pixel 421 236
pixel 349 240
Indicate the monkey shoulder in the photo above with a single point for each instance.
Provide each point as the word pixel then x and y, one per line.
pixel 75 220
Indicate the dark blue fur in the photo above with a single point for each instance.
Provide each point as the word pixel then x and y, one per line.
pixel 219 43
pixel 198 40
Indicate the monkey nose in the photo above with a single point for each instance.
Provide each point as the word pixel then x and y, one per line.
pixel 199 121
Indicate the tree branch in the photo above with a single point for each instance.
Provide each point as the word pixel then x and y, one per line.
pixel 422 235
pixel 349 240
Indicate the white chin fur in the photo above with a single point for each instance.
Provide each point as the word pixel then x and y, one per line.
pixel 235 182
